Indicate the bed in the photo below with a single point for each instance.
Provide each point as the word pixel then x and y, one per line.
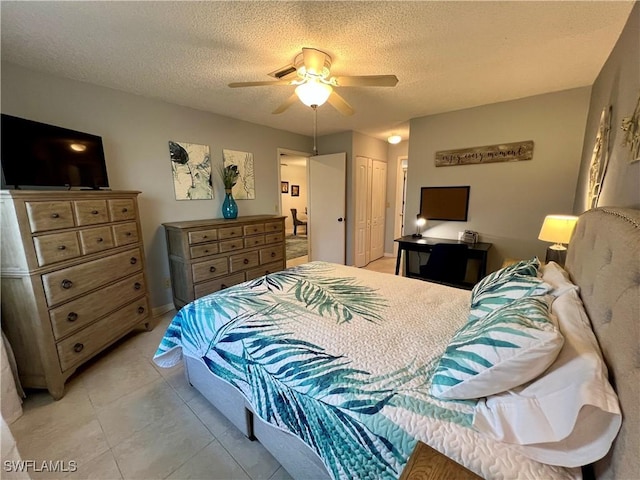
pixel 333 369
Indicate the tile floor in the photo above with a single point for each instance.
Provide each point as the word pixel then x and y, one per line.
pixel 123 417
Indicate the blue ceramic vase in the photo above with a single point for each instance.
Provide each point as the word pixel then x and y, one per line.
pixel 229 206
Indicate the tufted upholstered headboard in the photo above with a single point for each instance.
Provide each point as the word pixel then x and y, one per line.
pixel 604 260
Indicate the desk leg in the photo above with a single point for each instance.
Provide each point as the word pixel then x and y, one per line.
pixel 398 260
pixel 483 267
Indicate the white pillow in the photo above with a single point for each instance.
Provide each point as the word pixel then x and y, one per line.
pixel 556 276
pixel 501 350
pixel 570 415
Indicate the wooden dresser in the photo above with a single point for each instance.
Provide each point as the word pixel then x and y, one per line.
pixel 209 255
pixel 73 278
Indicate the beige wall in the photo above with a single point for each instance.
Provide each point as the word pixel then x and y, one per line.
pixel 618 85
pixel 135 132
pixel 295 175
pixel 508 201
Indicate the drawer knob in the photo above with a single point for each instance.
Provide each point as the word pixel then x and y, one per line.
pixel 273 254
pixel 206 251
pixel 245 261
pixel 140 310
pixel 94 212
pixel 137 286
pixel 66 284
pixel 72 317
pixel 223 286
pixel 100 240
pixel 133 260
pixel 62 247
pixel 125 210
pixel 128 234
pixel 212 269
pixel 204 236
pixel 233 246
pixel 55 215
pixel 78 347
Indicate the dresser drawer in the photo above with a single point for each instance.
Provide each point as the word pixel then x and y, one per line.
pixel 243 261
pixel 254 241
pixel 95 240
pixel 121 209
pixel 265 270
pixel 273 238
pixel 212 286
pixel 231 245
pixel 69 282
pixel 202 236
pixel 204 250
pixel 273 226
pixel 230 232
pixel 211 269
pixel 45 216
pixel 271 254
pixel 56 247
pixel 91 212
pixel 74 315
pixel 125 233
pixel 90 340
pixel 253 229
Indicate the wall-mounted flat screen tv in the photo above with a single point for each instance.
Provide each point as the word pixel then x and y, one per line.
pixel 38 155
pixel 444 203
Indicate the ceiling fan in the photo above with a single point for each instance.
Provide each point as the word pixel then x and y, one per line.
pixel 314 85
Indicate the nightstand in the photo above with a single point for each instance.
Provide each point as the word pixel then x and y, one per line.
pixel 425 463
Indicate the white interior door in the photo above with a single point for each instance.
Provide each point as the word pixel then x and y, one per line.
pixel 362 223
pixel 378 208
pixel 327 207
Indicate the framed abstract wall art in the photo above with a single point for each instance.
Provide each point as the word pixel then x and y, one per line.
pixel 191 169
pixel 245 187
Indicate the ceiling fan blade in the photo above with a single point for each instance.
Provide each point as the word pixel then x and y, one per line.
pixel 287 103
pixel 367 81
pixel 340 104
pixel 313 60
pixel 259 84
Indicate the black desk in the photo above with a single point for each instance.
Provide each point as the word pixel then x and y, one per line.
pixel 477 251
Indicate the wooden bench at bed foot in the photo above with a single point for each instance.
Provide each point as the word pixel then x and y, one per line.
pixel 425 463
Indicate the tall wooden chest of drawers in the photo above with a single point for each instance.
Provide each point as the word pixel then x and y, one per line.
pixel 209 255
pixel 73 278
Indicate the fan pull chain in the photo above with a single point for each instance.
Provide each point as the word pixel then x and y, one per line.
pixel 315 128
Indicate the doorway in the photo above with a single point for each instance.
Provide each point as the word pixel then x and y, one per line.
pixel 401 198
pixel 294 193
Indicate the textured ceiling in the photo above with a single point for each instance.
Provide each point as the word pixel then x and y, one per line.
pixel 446 55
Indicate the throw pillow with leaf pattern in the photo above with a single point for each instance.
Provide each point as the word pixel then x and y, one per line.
pixel 503 286
pixel 506 348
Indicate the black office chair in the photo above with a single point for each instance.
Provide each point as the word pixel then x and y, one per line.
pixel 296 222
pixel 447 264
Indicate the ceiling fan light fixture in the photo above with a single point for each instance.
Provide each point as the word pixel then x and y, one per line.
pixel 313 92
pixel 394 139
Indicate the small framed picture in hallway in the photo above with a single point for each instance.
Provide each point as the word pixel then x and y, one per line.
pixel 284 187
pixel 295 190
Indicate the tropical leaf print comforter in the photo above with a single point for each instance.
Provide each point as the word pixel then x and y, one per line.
pixel 342 358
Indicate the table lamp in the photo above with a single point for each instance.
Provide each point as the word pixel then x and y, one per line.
pixel 558 230
pixel 420 222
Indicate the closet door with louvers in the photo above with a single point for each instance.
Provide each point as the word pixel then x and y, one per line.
pixel 370 185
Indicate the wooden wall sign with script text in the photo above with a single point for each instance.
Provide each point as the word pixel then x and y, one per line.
pixel 507 152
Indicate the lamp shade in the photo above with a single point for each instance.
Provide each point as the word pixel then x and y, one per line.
pixel 313 92
pixel 557 229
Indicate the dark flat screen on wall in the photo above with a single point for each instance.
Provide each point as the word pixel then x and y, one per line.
pixel 444 203
pixel 35 154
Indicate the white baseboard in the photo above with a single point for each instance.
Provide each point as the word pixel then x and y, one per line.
pixel 392 255
pixel 161 310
